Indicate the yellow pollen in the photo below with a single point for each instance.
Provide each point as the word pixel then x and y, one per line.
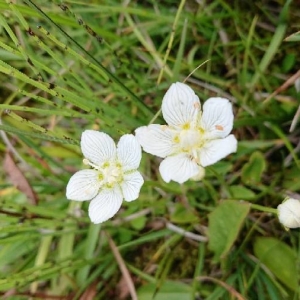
pixel 106 165
pixel 176 139
pixel 186 126
pixel 201 130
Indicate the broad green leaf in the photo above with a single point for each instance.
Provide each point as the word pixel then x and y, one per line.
pixel 182 216
pixel 139 223
pixel 253 170
pixel 222 168
pixel 279 258
pixel 169 290
pixel 225 223
pixel 240 192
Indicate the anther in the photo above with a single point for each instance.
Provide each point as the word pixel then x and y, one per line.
pixel 86 161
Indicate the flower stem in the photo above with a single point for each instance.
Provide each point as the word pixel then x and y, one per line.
pixel 265 209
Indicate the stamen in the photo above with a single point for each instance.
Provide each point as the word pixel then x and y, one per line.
pixel 85 161
pixel 88 163
pixel 186 126
pixel 195 156
pixel 176 139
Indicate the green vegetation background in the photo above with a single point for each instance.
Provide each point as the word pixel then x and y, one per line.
pixel 105 65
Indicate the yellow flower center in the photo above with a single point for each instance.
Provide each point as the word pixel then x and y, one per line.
pixel 109 174
pixel 190 140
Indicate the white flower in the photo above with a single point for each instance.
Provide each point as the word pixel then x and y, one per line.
pixel 113 176
pixel 192 139
pixel 289 213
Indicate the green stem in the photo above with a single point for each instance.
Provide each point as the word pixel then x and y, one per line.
pixel 264 209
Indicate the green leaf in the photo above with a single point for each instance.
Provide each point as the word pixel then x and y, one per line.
pixel 295 37
pixel 182 216
pixel 59 152
pixel 288 62
pixel 279 258
pixel 290 180
pixel 257 144
pixel 222 168
pixel 139 223
pixel 225 223
pixel 169 290
pixel 15 251
pixel 240 192
pixel 253 170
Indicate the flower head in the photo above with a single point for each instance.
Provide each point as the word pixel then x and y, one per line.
pixel 193 139
pixel 113 176
pixel 289 213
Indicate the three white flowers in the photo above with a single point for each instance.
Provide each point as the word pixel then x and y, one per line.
pixel 191 141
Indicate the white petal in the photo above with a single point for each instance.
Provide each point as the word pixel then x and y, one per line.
pixel 98 147
pixel 217 118
pixel 289 213
pixel 180 105
pixel 129 152
pixel 179 168
pixel 155 139
pixel 105 205
pixel 131 186
pixel 83 185
pixel 215 150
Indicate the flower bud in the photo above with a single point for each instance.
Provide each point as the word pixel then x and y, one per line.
pixel 289 213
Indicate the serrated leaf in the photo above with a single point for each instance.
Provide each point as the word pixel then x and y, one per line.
pixel 169 290
pixel 253 170
pixel 279 258
pixel 225 223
